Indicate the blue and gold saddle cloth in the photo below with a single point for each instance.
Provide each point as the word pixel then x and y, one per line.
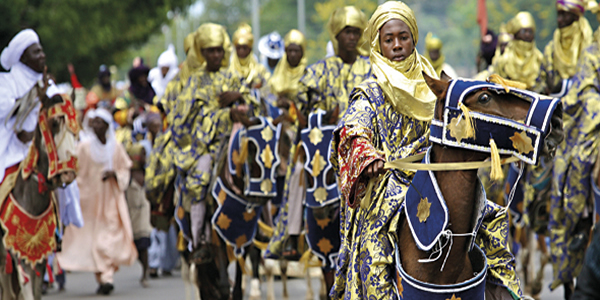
pixel 316 140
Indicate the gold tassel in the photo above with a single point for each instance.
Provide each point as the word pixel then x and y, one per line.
pixel 305 259
pixel 496 173
pixel 242 263
pixel 239 162
pixel 266 229
pixel 469 126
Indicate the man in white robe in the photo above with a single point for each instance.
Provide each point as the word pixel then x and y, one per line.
pixel 166 69
pixel 25 60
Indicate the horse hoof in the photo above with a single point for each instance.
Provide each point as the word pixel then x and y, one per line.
pixel 254 289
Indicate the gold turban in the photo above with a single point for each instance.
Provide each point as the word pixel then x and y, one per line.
pixel 285 79
pixel 521 20
pixel 295 37
pixel 521 60
pixel 347 16
pixel 243 35
pixel 575 6
pixel 434 43
pixel 191 63
pixel 244 66
pixel 211 35
pixel 401 82
pixel 504 36
pixel 569 41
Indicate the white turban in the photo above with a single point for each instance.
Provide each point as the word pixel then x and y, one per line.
pixel 168 58
pixel 13 52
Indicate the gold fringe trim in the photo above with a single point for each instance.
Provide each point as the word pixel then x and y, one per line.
pixel 495 78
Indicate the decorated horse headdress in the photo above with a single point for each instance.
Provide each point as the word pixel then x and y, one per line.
pixel 482 132
pixel 59 160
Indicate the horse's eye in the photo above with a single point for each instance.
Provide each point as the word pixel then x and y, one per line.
pixel 484 98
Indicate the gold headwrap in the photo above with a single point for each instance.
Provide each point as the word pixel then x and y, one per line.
pixel 243 35
pixel 285 79
pixel 191 63
pixel 521 60
pixel 434 43
pixel 575 6
pixel 568 44
pixel 211 35
pixel 401 82
pixel 521 20
pixel 246 67
pixel 347 16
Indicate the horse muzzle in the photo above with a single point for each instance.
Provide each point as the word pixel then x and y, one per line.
pixel 556 134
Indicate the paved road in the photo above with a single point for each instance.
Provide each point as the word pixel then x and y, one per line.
pixel 83 286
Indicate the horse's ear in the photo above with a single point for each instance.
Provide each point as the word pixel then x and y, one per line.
pixel 444 76
pixel 438 87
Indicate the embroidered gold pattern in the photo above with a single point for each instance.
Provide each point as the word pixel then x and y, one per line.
pixel 423 210
pixel 522 142
pixel 315 136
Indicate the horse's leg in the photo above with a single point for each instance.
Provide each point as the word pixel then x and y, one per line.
pixel 569 289
pixel 237 288
pixel 269 267
pixel 536 286
pixel 283 272
pixel 194 280
pixel 37 278
pixel 327 283
pixel 254 254
pixel 309 290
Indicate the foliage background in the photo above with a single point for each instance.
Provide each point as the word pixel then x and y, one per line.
pixel 93 32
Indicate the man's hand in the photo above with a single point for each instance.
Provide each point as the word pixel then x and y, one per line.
pixel 374 169
pixel 283 102
pixel 25 136
pixel 228 98
pixel 238 114
pixel 109 174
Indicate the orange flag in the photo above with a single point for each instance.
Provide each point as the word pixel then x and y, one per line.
pixel 482 17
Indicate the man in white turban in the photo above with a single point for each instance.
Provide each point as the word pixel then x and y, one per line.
pixel 25 60
pixel 165 70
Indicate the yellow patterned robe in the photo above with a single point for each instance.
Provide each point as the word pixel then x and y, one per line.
pixel 372 129
pixel 325 84
pixel 198 125
pixel 574 163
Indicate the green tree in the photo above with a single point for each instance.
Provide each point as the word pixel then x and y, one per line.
pixel 87 33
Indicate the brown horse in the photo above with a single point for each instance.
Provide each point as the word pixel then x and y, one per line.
pixel 459 188
pixel 48 165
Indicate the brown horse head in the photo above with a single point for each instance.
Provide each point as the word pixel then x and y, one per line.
pixel 504 105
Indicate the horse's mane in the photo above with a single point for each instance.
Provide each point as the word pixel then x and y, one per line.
pixel 24 106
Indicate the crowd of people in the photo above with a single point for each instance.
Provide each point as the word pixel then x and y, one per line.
pixel 149 155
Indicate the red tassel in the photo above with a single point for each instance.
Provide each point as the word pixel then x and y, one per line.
pixel 50 274
pixel 42 188
pixel 8 268
pixel 37 273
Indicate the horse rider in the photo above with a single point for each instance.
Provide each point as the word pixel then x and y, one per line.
pixel 388 118
pixel 25 60
pixel 574 175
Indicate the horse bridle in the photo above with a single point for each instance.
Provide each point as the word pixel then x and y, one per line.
pixel 55 165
